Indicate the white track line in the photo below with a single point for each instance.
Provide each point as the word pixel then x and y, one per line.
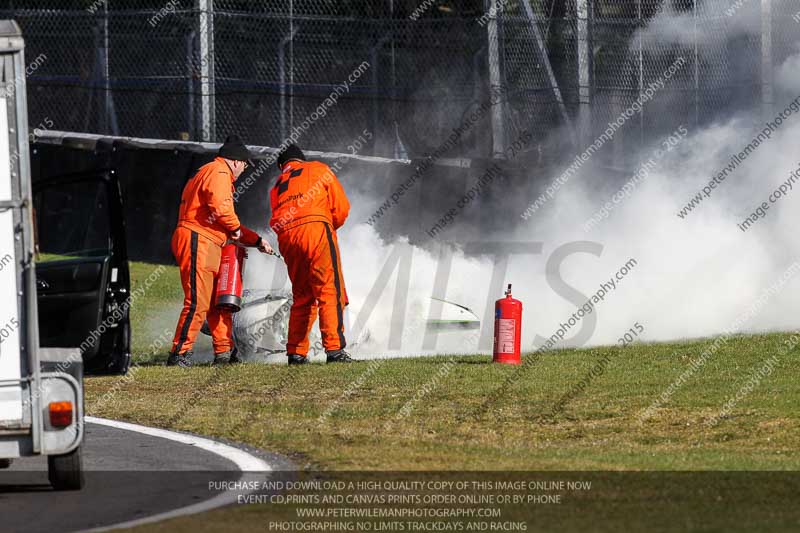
pixel 244 461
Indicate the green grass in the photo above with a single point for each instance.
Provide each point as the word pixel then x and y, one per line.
pixel 48 258
pixel 155 314
pixel 279 409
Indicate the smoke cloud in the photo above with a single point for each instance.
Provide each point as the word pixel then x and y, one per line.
pixel 694 275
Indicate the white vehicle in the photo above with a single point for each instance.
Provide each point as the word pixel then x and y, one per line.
pixel 41 390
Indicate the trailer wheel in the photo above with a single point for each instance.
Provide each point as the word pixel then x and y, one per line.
pixel 66 471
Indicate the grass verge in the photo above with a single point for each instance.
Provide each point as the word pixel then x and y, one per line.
pixel 425 415
pixel 420 414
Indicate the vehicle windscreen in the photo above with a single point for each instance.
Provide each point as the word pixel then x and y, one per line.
pixel 72 221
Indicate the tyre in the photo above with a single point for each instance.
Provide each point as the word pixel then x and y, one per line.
pixel 66 471
pixel 120 364
pixel 115 359
pixel 121 361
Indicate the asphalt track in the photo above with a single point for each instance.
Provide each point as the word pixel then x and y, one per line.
pixel 131 478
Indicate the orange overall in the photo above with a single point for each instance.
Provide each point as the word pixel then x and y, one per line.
pixel 308 206
pixel 206 220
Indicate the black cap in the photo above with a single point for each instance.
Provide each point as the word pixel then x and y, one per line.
pixel 291 152
pixel 234 149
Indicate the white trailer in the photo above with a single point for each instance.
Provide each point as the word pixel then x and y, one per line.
pixel 41 390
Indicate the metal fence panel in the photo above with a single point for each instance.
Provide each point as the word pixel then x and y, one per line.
pixel 137 68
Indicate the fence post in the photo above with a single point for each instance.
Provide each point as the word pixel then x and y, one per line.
pixel 399 148
pixel 375 58
pixel 207 60
pixel 291 65
pixel 110 125
pixel 282 79
pixel 696 68
pixel 584 73
pixel 191 88
pixel 639 31
pixel 498 128
pixel 767 97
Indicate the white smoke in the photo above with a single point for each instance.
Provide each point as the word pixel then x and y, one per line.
pixel 671 26
pixel 698 274
pixel 787 80
pixel 694 276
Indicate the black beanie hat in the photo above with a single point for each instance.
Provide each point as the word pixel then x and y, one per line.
pixel 291 152
pixel 234 149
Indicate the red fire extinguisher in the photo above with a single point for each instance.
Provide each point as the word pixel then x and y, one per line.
pixel 229 280
pixel 507 330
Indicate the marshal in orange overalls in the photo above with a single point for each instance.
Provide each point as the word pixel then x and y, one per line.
pixel 206 221
pixel 308 206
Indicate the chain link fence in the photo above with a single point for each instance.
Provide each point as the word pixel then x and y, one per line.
pixel 409 71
